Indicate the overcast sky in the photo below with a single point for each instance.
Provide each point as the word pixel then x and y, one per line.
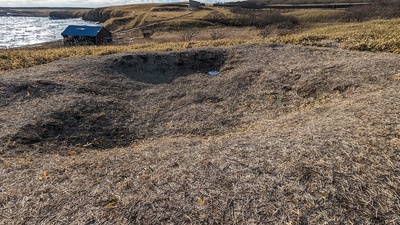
pixel 75 3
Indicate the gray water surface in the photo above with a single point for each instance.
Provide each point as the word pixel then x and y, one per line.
pixel 20 31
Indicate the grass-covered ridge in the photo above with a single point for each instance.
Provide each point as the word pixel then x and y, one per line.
pixel 315 15
pixel 119 18
pixel 376 36
pixel 21 58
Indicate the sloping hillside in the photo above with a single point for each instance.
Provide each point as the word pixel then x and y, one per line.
pixel 282 135
pixel 118 18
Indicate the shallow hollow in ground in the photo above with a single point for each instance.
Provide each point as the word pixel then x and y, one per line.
pixel 90 123
pixel 158 68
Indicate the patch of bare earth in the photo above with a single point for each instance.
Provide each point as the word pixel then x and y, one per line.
pixel 283 135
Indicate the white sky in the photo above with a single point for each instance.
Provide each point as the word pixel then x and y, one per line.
pixel 75 3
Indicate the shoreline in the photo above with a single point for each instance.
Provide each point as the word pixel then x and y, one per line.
pixel 43 45
pixel 34 31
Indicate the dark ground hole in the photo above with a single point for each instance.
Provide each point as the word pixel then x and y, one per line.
pixel 88 123
pixel 158 68
pixel 96 123
pixel 27 90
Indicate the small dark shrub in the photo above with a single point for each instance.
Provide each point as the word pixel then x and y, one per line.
pixel 216 17
pixel 217 34
pixel 261 19
pixel 266 31
pixel 147 32
pixel 188 34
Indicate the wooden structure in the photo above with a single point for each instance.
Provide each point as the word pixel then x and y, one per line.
pixel 194 4
pixel 86 35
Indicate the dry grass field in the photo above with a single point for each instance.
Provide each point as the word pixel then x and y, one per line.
pixel 283 135
pixel 375 35
pixel 139 132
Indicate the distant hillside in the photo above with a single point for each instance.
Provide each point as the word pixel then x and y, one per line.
pixel 41 11
pixel 166 15
pixel 179 16
pixel 117 18
pixel 294 4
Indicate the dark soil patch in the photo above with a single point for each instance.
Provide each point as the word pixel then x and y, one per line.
pixel 86 123
pixel 10 92
pixel 158 68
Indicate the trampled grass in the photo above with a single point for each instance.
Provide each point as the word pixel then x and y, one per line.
pixel 375 36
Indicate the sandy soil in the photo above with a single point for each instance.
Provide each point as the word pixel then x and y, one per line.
pixel 283 135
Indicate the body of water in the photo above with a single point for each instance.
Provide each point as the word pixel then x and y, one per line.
pixel 20 31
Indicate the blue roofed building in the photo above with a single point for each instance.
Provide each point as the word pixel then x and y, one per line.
pixel 86 35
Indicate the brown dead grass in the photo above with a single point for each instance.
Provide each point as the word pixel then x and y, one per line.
pixel 176 15
pixel 283 135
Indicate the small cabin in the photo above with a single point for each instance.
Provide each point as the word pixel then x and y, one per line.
pixel 86 35
pixel 194 4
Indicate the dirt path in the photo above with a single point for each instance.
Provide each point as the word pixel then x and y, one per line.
pixel 284 134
